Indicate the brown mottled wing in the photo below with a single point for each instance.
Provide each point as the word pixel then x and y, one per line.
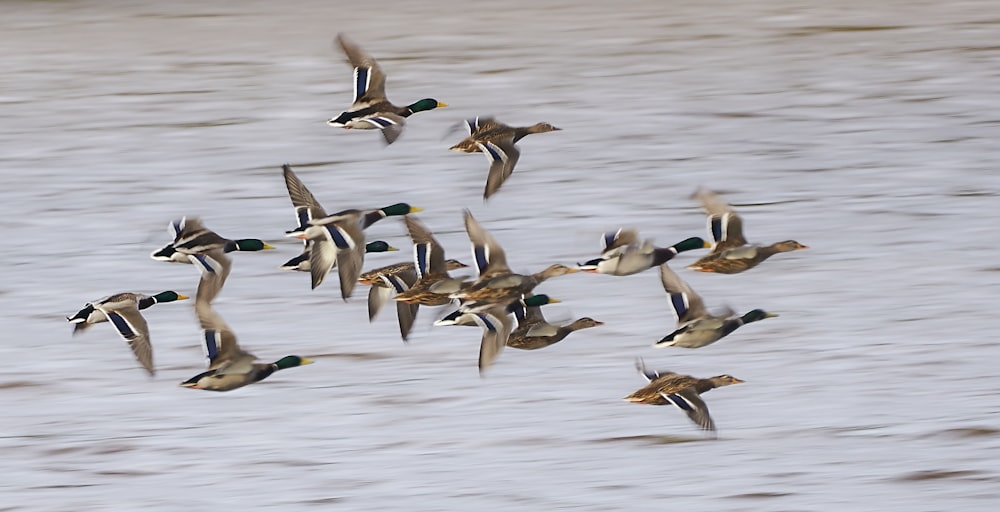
pixel 372 86
pixel 724 225
pixel 486 251
pixel 687 304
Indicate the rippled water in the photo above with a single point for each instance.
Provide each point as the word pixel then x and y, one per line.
pixel 866 132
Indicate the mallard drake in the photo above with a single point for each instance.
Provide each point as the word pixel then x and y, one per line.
pixel 300 263
pixel 622 254
pixel 122 309
pixel 496 283
pixel 497 141
pixel 696 327
pixel 334 238
pixel 192 237
pixel 679 390
pixel 308 208
pixel 533 332
pixel 229 367
pixel 732 254
pixel 371 110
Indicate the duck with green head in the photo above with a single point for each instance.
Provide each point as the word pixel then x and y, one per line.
pixel 371 109
pixel 622 254
pixel 230 367
pixel 696 327
pixel 340 238
pixel 122 310
pixel 192 238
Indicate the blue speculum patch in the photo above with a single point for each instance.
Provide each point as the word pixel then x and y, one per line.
pixel 678 302
pixel 680 402
pixel 422 251
pixel 717 228
pixel 361 82
pixel 481 260
pixel 338 238
pixel 494 151
pixel 123 327
pixel 211 345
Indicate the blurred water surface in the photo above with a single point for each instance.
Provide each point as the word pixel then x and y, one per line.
pixel 867 132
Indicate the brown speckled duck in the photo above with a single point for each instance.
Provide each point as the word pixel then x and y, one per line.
pixel 533 332
pixel 731 253
pixel 669 388
pixel 497 141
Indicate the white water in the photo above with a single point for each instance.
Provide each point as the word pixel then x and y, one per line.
pixel 866 132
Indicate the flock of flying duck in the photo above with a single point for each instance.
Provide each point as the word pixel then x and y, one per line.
pixel 499 301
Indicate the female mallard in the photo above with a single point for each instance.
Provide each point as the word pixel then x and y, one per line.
pixel 497 141
pixel 371 110
pixel 669 388
pixel 732 254
pixel 623 255
pixel 696 327
pixel 337 238
pixel 431 268
pixel 191 237
pixel 533 332
pixel 496 283
pixel 122 309
pixel 230 367
pixel 396 278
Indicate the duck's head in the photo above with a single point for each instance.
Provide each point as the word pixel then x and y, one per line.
pixel 725 380
pixel 584 323
pixel 540 300
pixel 247 244
pixel 691 244
pixel 789 245
pixel 426 104
pixel 291 362
pixel 400 209
pixel 558 270
pixel 757 315
pixel 454 264
pixel 379 246
pixel 168 296
pixel 542 128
